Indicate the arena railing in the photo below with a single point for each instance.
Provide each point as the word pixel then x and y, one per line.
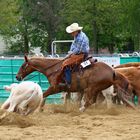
pixel 9 67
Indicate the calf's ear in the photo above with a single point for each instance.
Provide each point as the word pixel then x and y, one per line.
pixel 8 88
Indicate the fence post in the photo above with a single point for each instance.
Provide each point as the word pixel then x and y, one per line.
pixel 12 70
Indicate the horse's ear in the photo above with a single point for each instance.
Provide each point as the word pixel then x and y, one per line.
pixel 25 57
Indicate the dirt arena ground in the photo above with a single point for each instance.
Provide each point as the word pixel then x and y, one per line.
pixel 59 122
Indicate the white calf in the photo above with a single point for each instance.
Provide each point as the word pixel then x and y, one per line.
pixel 24 98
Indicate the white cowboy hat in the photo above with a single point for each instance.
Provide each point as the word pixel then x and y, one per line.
pixel 73 27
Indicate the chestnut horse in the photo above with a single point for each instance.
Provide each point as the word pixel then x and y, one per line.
pixel 91 81
pixel 130 64
pixel 132 72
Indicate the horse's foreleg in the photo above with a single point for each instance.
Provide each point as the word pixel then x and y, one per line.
pixel 67 97
pixel 94 97
pixel 53 90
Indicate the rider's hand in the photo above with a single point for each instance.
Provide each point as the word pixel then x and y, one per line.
pixel 69 54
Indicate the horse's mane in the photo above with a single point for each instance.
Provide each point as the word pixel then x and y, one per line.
pixel 44 58
pixel 47 60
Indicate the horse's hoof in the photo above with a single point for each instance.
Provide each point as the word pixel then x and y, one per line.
pixel 41 110
pixel 82 109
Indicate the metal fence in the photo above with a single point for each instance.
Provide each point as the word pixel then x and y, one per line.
pixel 9 67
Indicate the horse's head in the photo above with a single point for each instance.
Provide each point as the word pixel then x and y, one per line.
pixel 24 70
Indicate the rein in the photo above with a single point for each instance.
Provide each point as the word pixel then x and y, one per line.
pixel 52 65
pixel 56 63
pixel 30 77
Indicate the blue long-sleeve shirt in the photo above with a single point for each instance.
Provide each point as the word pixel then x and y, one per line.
pixel 80 44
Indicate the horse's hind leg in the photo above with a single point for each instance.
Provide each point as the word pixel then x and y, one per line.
pixel 88 99
pixel 94 97
pixel 79 97
pixel 100 98
pixel 83 102
pixel 66 96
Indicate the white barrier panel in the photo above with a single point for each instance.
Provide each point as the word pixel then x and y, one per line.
pixel 111 61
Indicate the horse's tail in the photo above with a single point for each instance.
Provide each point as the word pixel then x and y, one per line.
pixel 114 75
pixel 131 64
pixel 124 88
pixel 120 80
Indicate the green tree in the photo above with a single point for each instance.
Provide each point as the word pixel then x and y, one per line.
pixel 36 23
pixel 100 19
pixel 131 20
pixel 9 19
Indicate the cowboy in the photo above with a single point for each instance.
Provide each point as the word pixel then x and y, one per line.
pixel 78 51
